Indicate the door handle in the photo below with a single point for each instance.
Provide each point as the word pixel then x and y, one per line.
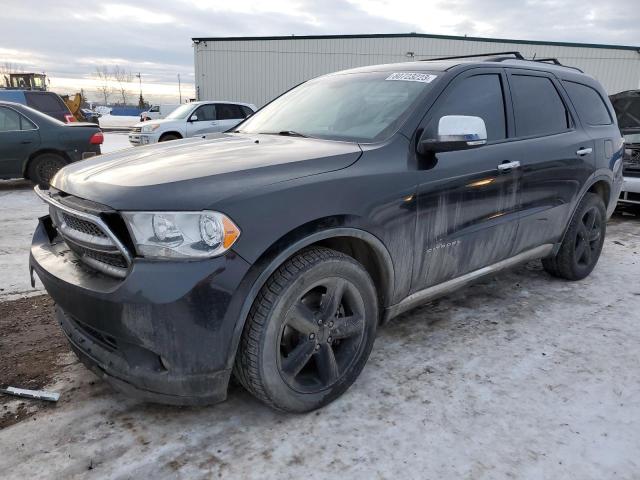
pixel 214 123
pixel 25 142
pixel 506 166
pixel 584 151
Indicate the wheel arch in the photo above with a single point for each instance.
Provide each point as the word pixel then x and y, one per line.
pixel 360 244
pixel 42 151
pixel 171 132
pixel 601 185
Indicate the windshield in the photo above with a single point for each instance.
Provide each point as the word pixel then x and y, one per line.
pixel 632 138
pixel 181 112
pixel 358 107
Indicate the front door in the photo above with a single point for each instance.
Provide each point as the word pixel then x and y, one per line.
pixel 203 121
pixel 467 200
pixel 18 138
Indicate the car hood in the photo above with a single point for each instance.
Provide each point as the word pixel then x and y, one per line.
pixel 195 173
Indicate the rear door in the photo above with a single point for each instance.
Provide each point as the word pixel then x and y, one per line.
pixel 467 205
pixel 555 155
pixel 48 103
pixel 229 115
pixel 18 138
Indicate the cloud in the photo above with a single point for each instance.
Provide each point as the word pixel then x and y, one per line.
pixel 155 37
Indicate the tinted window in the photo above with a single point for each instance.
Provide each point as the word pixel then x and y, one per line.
pixel 588 103
pixel 246 111
pixel 228 111
pixel 537 106
pixel 45 102
pixel 9 120
pixel 206 113
pixel 478 96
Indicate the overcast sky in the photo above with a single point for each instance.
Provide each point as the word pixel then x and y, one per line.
pixel 67 39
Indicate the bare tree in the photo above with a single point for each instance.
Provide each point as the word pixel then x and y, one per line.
pixel 8 67
pixel 123 78
pixel 104 82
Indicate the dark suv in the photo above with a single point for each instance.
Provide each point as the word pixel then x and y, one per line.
pixel 273 252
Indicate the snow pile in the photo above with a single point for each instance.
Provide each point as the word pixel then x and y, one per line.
pixel 118 121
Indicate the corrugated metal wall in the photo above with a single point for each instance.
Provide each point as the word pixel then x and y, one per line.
pixel 256 71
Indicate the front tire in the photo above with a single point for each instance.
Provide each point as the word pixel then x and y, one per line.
pixel 42 168
pixel 167 137
pixel 582 244
pixel 309 331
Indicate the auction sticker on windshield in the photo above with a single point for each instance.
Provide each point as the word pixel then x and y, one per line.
pixel 412 77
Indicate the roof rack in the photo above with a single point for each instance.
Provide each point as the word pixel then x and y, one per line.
pixel 503 56
pixel 554 61
pixel 516 55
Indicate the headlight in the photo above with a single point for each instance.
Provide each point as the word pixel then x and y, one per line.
pixel 150 128
pixel 181 234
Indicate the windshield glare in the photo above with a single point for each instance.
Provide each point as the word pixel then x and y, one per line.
pixel 181 112
pixel 360 107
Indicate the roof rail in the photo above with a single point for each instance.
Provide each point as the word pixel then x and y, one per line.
pixel 516 55
pixel 555 61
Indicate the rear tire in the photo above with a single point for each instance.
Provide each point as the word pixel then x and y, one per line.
pixel 309 331
pixel 582 244
pixel 168 137
pixel 43 167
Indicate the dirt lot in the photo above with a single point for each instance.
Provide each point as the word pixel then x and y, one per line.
pixel 519 376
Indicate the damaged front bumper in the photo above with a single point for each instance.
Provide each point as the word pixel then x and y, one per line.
pixel 162 334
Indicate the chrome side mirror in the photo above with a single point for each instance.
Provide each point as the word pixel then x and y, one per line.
pixel 455 132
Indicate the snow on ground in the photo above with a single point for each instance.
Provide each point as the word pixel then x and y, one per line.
pixel 519 376
pixel 118 121
pixel 19 211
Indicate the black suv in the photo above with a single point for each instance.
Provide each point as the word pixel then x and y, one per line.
pixel 273 252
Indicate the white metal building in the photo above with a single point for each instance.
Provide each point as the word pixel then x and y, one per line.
pixel 257 69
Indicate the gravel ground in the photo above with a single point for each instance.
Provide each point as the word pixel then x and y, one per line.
pixel 518 376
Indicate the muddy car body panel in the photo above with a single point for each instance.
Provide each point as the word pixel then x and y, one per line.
pixel 419 223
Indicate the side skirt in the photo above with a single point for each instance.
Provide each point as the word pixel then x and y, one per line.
pixel 422 296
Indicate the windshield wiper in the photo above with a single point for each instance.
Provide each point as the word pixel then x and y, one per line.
pixel 286 133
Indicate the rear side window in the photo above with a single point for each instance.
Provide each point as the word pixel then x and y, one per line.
pixel 229 111
pixel 478 96
pixel 44 102
pixel 589 104
pixel 246 111
pixel 9 120
pixel 537 106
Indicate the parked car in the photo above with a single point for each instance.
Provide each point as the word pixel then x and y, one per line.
pixel 627 107
pixel 91 115
pixel 157 112
pixel 48 103
pixel 35 146
pixel 191 120
pixel 273 252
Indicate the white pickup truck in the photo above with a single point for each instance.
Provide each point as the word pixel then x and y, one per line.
pixel 156 112
pixel 191 120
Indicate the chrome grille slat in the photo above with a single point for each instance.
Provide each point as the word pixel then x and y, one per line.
pixel 89 238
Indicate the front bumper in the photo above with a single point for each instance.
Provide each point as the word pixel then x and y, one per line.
pixel 162 334
pixel 630 191
pixel 138 139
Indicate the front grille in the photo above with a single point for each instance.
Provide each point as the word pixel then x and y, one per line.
pixel 107 341
pixel 136 130
pixel 631 161
pixel 83 226
pixel 88 236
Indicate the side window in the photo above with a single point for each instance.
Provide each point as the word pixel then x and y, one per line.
pixel 26 124
pixel 206 113
pixel 589 104
pixel 537 106
pixel 478 96
pixel 45 102
pixel 229 111
pixel 9 120
pixel 154 109
pixel 246 111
